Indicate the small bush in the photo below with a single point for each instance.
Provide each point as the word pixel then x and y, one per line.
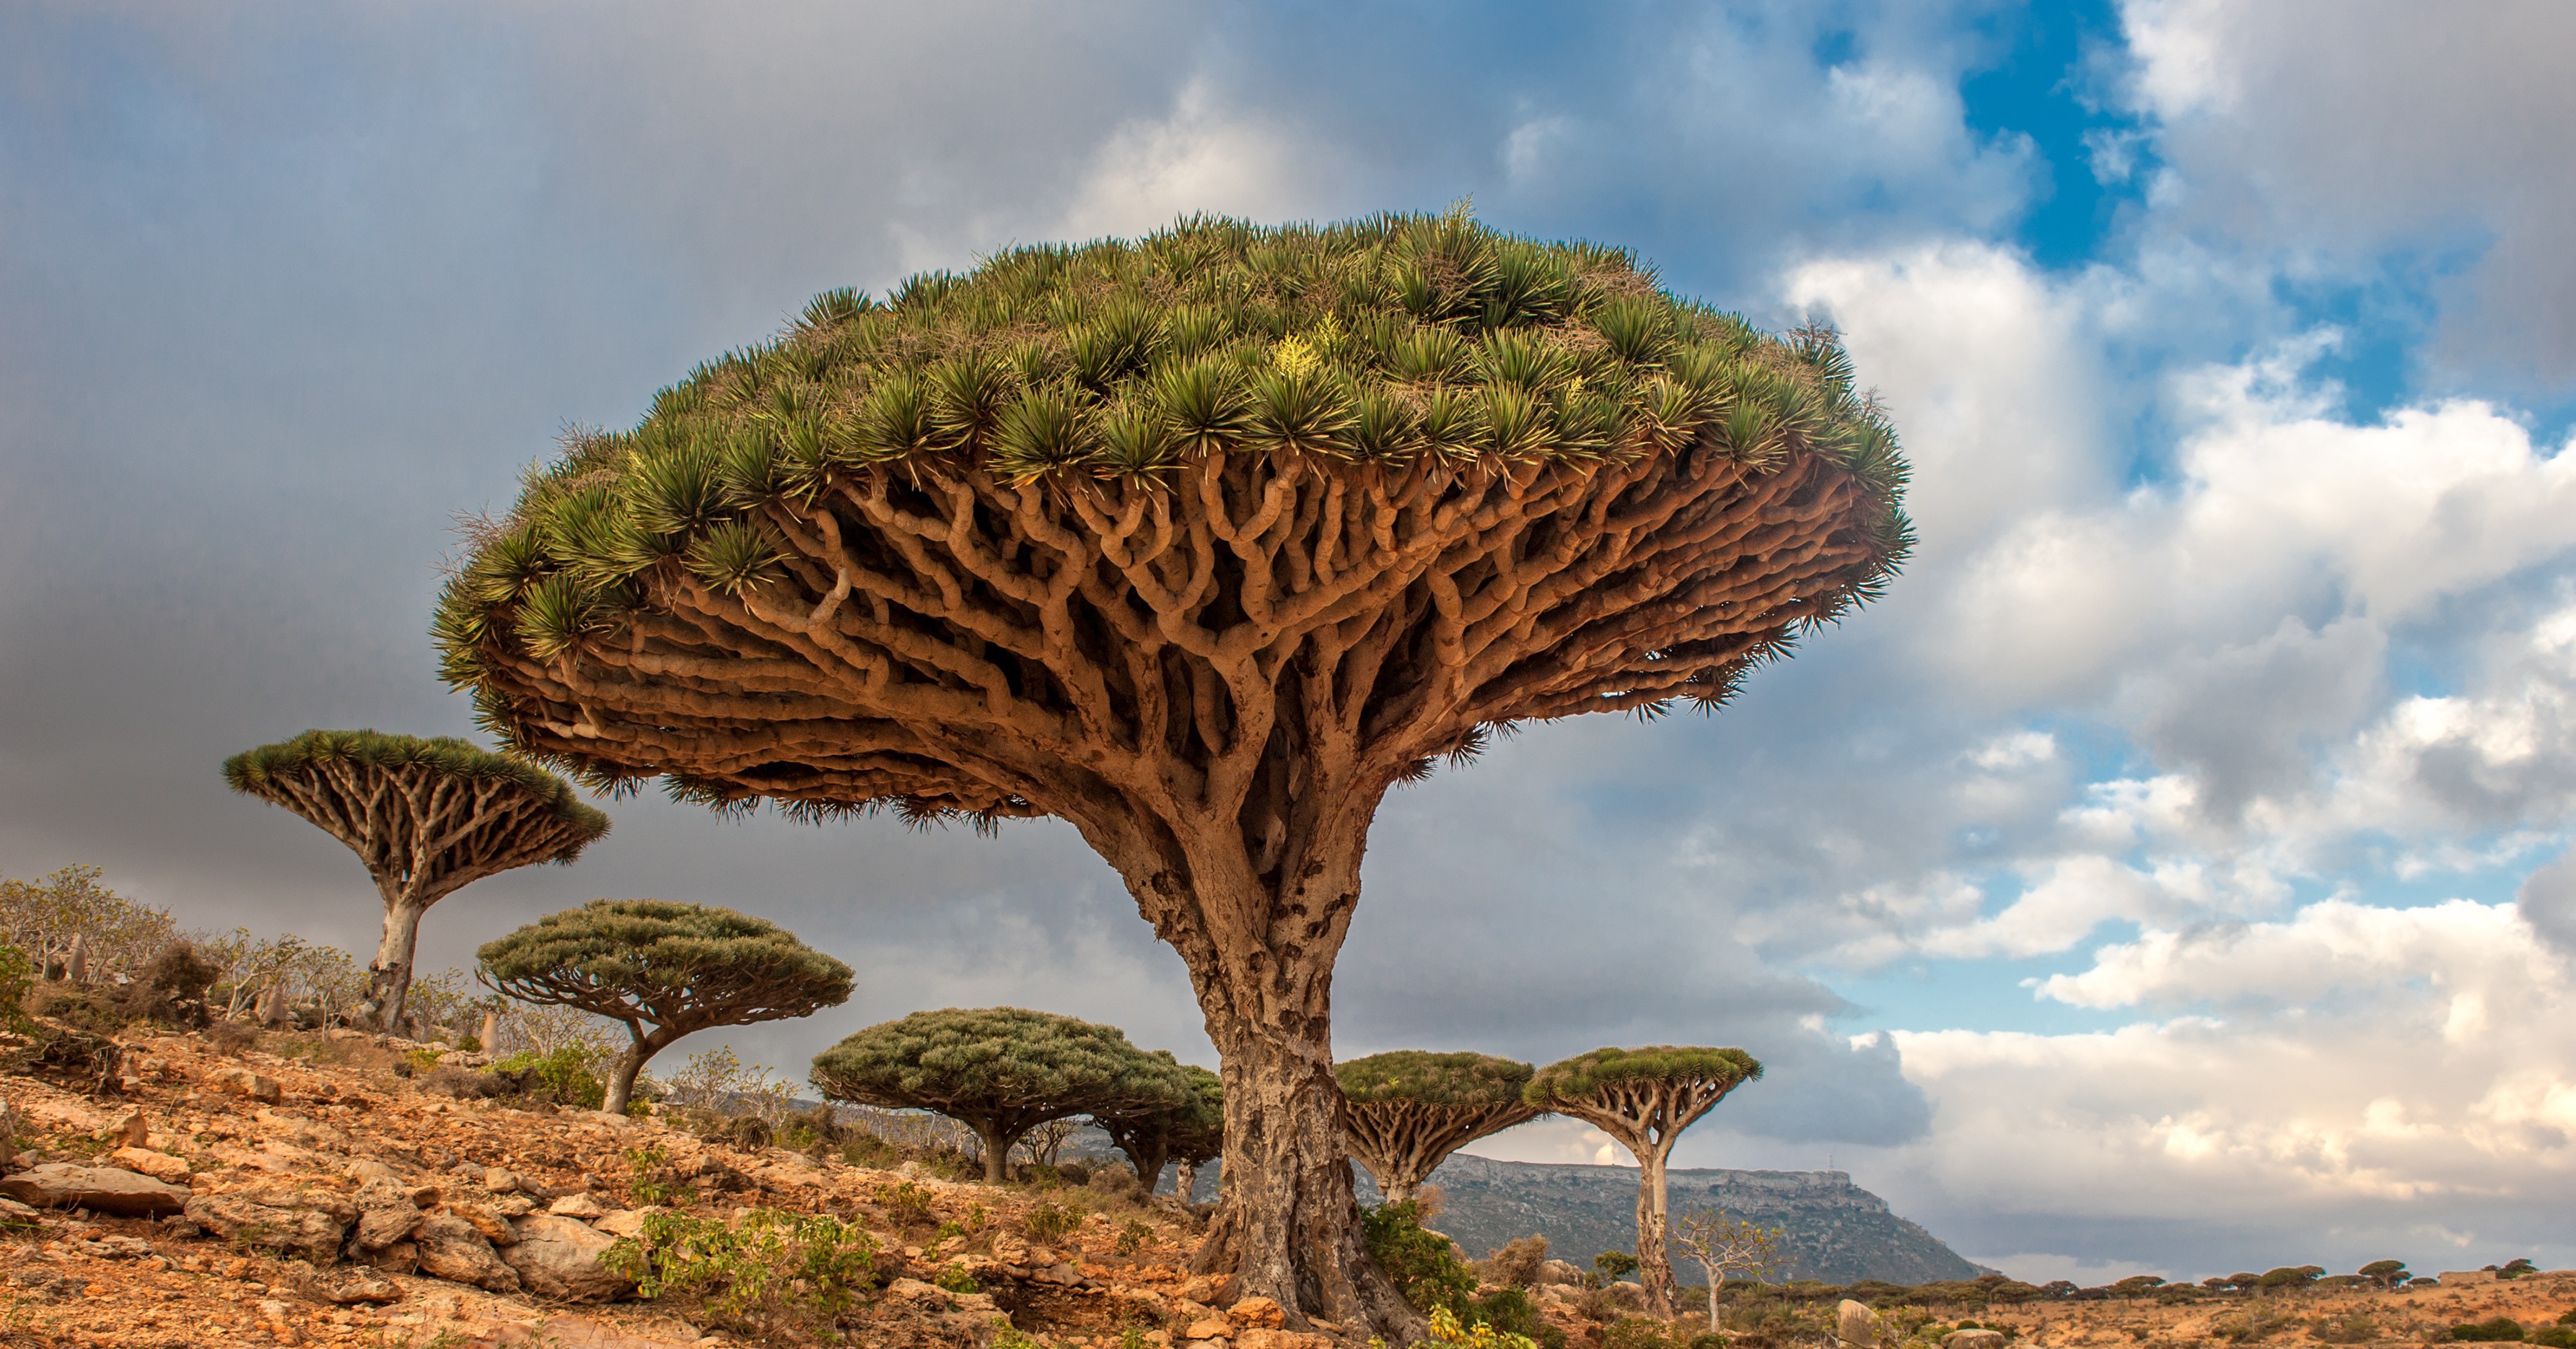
pixel 464 1084
pixel 84 1007
pixel 2354 1328
pixel 1516 1264
pixel 1449 1332
pixel 1425 1270
pixel 954 1278
pixel 1134 1237
pixel 652 1180
pixel 906 1204
pixel 1117 1184
pixel 751 1133
pixel 231 1037
pixel 1614 1265
pixel 1048 1219
pixel 2502 1330
pixel 770 1273
pixel 2557 1337
pixel 563 1076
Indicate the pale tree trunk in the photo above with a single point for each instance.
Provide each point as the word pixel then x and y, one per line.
pixel 997 1152
pixel 1654 1262
pixel 1185 1178
pixel 389 976
pixel 1397 1186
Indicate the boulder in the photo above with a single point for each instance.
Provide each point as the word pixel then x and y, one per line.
pixel 1973 1339
pixel 579 1206
pixel 297 1222
pixel 364 1169
pixel 1258 1338
pixel 1855 1324
pixel 558 1258
pixel 359 1290
pixel 394 1257
pixel 493 1227
pixel 1216 1290
pixel 1208 1328
pixel 245 1083
pixel 452 1249
pixel 100 1189
pixel 1559 1272
pixel 500 1180
pixel 386 1214
pixel 625 1222
pixel 1257 1313
pixel 160 1166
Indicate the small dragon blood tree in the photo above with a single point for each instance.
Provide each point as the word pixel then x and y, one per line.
pixel 1405 1112
pixel 428 817
pixel 1644 1098
pixel 1201 542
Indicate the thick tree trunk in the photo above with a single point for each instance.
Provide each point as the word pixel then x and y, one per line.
pixel 1398 1186
pixel 1287 1223
pixel 621 1079
pixel 997 1152
pixel 1654 1262
pixel 389 977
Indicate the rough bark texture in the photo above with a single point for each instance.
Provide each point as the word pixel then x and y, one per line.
pixel 1403 1142
pixel 1214 670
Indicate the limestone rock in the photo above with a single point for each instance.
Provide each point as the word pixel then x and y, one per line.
pixel 100 1189
pixel 1855 1324
pixel 451 1248
pixel 275 1220
pixel 1216 1290
pixel 132 1131
pixel 158 1165
pixel 1973 1339
pixel 364 1169
pixel 500 1180
pixel 1257 1313
pixel 1559 1272
pixel 385 1214
pixel 579 1206
pixel 559 1258
pixel 1208 1328
pixel 625 1222
pixel 493 1226
pixel 1257 1338
pixel 357 1290
pixel 394 1257
pixel 245 1083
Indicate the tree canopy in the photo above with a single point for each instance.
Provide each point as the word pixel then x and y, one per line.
pixel 1188 1129
pixel 1202 542
pixel 676 968
pixel 1405 1111
pixel 1000 1071
pixel 427 817
pixel 1644 1098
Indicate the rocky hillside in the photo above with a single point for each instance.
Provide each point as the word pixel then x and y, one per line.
pixel 1837 1232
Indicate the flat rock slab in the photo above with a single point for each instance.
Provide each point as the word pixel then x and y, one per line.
pixel 100 1189
pixel 558 1258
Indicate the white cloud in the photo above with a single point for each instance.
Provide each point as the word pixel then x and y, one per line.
pixel 1201 157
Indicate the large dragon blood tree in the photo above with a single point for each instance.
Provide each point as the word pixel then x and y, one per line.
pixel 1201 542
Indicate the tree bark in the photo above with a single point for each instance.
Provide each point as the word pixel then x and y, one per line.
pixel 997 1151
pixel 389 977
pixel 1185 1178
pixel 1654 1261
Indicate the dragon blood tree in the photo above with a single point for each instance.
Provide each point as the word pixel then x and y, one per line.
pixel 1000 1071
pixel 1404 1112
pixel 1644 1098
pixel 428 817
pixel 674 968
pixel 1188 1129
pixel 1201 542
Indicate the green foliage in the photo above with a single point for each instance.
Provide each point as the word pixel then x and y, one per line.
pixel 1369 342
pixel 567 1076
pixel 1447 1330
pixel 955 1279
pixel 2558 1337
pixel 258 771
pixel 1048 1219
pixel 1587 1074
pixel 1435 1079
pixel 1420 1262
pixel 906 1204
pixel 2501 1330
pixel 1614 1265
pixel 2289 1276
pixel 2384 1273
pixel 1134 1237
pixel 652 1180
pixel 768 1272
pixel 1000 1070
pixel 680 967
pixel 17 980
pixel 42 918
pixel 1186 1125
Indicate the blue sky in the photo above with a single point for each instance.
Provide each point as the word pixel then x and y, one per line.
pixel 2213 752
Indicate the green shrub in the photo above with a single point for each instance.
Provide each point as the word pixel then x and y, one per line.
pixel 1614 1265
pixel 1049 1219
pixel 955 1279
pixel 2557 1337
pixel 1425 1270
pixel 906 1204
pixel 565 1076
pixel 2503 1329
pixel 771 1272
pixel 1134 1236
